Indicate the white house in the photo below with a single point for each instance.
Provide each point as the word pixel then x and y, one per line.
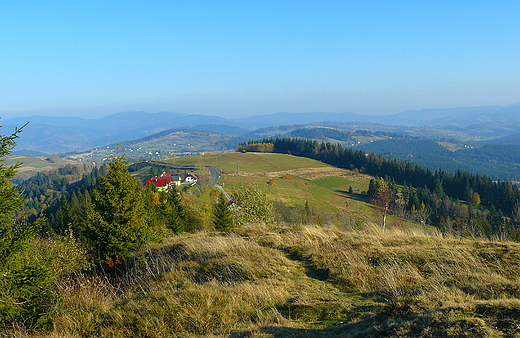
pixel 191 178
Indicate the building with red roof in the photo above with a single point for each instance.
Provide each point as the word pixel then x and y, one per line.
pixel 164 181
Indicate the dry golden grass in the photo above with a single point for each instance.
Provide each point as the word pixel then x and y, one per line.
pixel 418 276
pixel 299 281
pixel 310 174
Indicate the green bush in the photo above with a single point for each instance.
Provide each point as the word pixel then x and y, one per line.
pixel 253 207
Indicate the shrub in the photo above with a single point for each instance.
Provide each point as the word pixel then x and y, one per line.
pixel 253 207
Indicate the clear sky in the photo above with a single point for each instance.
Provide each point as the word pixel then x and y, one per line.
pixel 241 58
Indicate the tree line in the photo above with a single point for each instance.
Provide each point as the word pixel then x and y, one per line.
pixel 497 161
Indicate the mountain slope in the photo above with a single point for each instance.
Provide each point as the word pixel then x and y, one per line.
pixel 510 139
pixel 463 116
pixel 270 120
pixel 51 135
pixel 499 161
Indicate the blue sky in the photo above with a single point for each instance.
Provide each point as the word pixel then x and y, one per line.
pixel 242 58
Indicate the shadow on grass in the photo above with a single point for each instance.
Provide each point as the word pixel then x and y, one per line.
pixel 310 270
pixel 340 330
pixel 288 332
pixel 276 332
pixel 492 320
pixel 354 196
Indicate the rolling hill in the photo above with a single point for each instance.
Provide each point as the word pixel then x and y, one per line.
pixel 51 135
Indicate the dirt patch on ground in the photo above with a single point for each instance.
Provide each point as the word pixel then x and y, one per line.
pixel 310 174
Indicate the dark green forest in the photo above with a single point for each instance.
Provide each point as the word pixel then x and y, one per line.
pixel 499 161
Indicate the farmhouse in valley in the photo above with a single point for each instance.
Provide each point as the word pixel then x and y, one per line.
pixel 166 180
pixel 191 178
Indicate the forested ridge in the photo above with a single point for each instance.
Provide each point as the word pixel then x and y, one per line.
pixel 499 161
pixel 457 200
pixel 44 191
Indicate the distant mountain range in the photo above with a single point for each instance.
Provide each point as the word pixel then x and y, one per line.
pixel 51 135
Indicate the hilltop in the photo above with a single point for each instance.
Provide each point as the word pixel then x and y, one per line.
pixel 305 281
pixel 291 182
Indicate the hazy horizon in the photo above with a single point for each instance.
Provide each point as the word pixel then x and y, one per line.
pixel 235 59
pixel 38 113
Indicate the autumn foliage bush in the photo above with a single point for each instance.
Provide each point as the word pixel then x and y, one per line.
pixel 256 147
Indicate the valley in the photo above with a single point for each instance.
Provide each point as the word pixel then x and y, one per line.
pixel 252 169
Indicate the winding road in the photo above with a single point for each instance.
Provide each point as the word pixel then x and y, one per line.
pixel 213 181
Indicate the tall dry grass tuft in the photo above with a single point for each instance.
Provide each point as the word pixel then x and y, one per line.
pixel 85 297
pixel 195 285
pixel 438 285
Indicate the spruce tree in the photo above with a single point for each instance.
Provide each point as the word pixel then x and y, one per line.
pixel 117 219
pixel 26 289
pixel 222 216
pixel 173 212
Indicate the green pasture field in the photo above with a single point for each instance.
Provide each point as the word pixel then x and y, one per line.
pixel 31 165
pixel 332 182
pixel 326 193
pixel 248 162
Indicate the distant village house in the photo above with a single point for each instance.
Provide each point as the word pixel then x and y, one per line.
pixel 191 178
pixel 166 180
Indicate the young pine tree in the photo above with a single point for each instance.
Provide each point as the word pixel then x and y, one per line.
pixel 173 212
pixel 26 289
pixel 222 216
pixel 117 218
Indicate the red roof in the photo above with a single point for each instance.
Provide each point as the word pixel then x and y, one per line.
pixel 159 181
pixel 193 175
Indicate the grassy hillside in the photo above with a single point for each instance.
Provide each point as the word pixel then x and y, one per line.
pixel 303 281
pixel 293 181
pixel 166 144
pixel 31 165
